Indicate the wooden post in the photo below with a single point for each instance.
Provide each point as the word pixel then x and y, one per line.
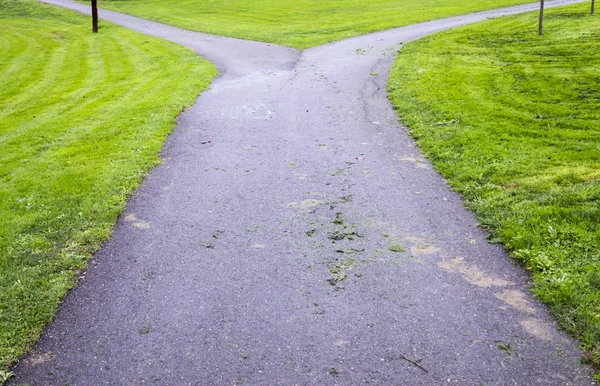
pixel 541 26
pixel 593 6
pixel 94 16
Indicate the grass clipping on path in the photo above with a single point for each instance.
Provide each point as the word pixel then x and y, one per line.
pixel 298 23
pixel 512 120
pixel 82 119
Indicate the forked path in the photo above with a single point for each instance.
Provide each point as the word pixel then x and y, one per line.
pixel 268 248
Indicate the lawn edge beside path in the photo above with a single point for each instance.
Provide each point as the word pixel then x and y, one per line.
pixel 83 121
pixel 513 129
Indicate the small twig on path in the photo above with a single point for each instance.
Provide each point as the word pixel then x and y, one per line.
pixel 414 363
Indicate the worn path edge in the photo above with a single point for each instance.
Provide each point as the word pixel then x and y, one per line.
pixel 295 235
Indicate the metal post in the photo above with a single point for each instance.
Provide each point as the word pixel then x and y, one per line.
pixel 95 16
pixel 541 26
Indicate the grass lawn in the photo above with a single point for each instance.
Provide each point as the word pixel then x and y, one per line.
pixel 512 120
pixel 298 23
pixel 82 120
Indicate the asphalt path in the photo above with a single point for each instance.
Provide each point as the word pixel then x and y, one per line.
pixel 295 235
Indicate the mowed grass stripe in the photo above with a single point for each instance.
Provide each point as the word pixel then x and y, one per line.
pixel 34 81
pixel 42 80
pixel 512 120
pixel 16 67
pixel 298 23
pixel 83 119
pixel 16 46
pixel 97 100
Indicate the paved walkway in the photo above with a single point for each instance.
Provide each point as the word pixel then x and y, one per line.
pixel 267 248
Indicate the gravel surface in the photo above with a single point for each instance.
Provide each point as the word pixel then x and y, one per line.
pixel 295 235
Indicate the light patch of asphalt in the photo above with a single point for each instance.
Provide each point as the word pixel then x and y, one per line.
pixel 273 245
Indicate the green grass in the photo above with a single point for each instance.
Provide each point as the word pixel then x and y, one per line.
pixel 512 120
pixel 397 248
pixel 82 120
pixel 298 23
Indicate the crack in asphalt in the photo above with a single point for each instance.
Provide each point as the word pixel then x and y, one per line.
pixel 294 234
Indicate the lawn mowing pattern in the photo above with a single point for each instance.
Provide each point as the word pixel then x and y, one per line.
pixel 82 120
pixel 298 23
pixel 512 120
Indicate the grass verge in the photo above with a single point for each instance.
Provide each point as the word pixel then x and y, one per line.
pixel 512 120
pixel 82 120
pixel 298 23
